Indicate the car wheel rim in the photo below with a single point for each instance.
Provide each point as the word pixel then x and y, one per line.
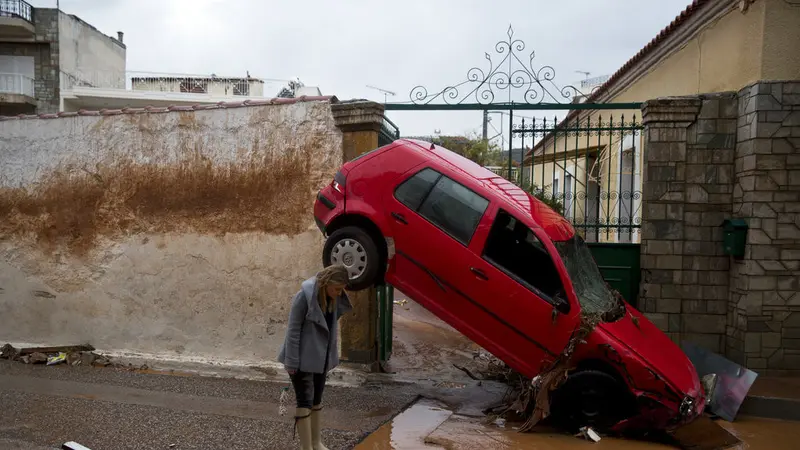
pixel 351 254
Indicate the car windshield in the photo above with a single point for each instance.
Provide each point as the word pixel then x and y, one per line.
pixel 593 294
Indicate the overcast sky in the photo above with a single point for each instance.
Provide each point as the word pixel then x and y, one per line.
pixel 344 45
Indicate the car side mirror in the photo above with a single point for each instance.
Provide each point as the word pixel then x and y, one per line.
pixel 561 304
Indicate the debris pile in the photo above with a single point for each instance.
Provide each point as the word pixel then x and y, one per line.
pixel 72 355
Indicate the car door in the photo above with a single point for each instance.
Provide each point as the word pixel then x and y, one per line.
pixel 516 277
pixel 433 218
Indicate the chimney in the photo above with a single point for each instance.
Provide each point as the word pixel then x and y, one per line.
pixel 119 35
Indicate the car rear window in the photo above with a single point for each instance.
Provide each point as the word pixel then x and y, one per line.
pixel 414 190
pixel 454 208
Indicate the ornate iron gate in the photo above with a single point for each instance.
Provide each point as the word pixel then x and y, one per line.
pixel 584 157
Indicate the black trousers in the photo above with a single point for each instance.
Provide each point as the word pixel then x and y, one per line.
pixel 308 388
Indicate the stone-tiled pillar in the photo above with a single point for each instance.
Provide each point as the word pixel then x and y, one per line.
pixel 360 122
pixel 764 331
pixel 689 145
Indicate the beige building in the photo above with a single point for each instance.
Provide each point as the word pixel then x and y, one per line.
pixel 712 46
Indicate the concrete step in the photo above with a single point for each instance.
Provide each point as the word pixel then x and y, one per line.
pixel 773 398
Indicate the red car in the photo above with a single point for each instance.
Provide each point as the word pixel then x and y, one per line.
pixel 508 272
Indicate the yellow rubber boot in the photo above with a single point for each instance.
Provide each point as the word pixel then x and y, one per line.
pixel 316 428
pixel 302 423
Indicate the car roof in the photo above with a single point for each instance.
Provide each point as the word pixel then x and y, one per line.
pixel 557 227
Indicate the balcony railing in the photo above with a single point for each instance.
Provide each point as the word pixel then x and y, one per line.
pixel 14 83
pixel 16 8
pixel 212 85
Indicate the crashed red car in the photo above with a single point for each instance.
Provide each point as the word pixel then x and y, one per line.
pixel 508 272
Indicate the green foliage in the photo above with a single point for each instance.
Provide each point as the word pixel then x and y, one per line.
pixel 481 152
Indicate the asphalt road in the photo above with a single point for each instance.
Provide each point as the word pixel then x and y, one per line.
pixel 103 408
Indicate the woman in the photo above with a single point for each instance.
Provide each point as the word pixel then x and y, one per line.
pixel 310 348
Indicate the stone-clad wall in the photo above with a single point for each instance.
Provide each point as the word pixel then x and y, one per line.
pixel 764 330
pixel 687 191
pixel 708 158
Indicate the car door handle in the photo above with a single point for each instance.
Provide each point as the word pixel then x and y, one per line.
pixel 399 217
pixel 479 273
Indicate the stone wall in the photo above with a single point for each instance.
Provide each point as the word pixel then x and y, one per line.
pixel 764 330
pixel 709 158
pixel 687 190
pixel 171 233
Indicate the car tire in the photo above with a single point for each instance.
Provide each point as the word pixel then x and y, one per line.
pixel 355 249
pixel 590 398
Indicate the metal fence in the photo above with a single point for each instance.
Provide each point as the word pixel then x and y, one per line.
pixel 16 8
pixel 15 83
pixel 388 132
pixel 587 166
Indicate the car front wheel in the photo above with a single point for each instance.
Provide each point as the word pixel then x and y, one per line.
pixel 590 398
pixel 353 248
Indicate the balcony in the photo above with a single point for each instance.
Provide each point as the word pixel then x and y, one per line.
pixel 16 20
pixel 16 85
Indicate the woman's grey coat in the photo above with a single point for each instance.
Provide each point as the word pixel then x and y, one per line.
pixel 307 333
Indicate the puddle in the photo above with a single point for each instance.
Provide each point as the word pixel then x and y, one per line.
pixel 408 430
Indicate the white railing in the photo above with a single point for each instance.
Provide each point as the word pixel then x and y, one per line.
pixel 213 85
pixel 15 83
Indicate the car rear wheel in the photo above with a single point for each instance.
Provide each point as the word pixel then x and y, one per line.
pixel 353 248
pixel 590 398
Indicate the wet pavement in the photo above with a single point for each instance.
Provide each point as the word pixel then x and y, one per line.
pixel 42 407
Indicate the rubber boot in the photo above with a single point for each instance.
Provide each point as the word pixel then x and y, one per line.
pixel 316 428
pixel 302 424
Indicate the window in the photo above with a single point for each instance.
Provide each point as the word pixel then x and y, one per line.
pixel 447 204
pixel 568 195
pixel 413 191
pixel 194 86
pixel 516 250
pixel 241 87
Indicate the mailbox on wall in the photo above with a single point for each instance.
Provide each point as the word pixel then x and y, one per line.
pixel 734 237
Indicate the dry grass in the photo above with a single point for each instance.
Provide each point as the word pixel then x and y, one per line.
pixel 72 207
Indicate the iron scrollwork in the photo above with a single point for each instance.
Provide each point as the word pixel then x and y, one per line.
pixel 509 74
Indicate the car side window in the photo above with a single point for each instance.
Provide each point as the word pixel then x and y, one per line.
pixel 517 251
pixel 455 208
pixel 414 190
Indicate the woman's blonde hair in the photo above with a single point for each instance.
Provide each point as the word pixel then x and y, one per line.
pixel 333 274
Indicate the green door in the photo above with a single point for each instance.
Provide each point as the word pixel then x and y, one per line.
pixel 620 267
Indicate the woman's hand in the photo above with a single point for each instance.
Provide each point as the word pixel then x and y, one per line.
pixel 290 371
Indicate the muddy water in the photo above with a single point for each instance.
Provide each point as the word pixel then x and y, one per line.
pixel 426 426
pixel 409 429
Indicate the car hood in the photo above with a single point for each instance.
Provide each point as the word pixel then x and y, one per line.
pixel 652 345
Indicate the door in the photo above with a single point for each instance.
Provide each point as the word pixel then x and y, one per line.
pixel 434 219
pixel 521 283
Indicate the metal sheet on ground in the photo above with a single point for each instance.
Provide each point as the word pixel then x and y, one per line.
pixel 733 383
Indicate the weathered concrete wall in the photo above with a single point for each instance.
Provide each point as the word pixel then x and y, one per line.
pixel 88 56
pixel 179 233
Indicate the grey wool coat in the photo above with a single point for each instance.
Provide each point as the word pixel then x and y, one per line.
pixel 307 333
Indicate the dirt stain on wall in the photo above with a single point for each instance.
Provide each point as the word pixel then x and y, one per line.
pixel 267 191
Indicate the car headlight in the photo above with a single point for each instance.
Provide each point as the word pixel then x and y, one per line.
pixel 687 407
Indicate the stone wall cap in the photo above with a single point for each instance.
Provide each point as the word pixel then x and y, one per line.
pixel 165 109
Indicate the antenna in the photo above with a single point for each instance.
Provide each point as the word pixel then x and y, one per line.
pixel 384 91
pixel 586 74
